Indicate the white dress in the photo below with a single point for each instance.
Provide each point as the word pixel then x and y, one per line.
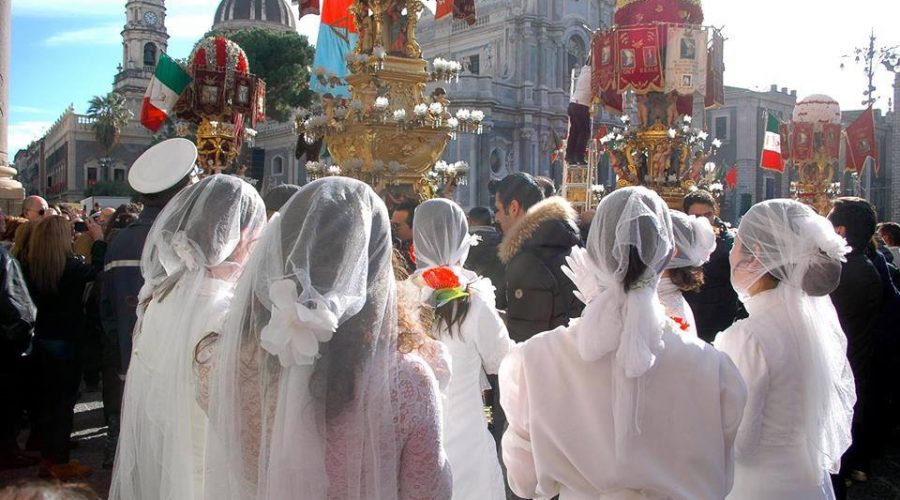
pixel 162 441
pixel 561 437
pixel 672 299
pixel 770 447
pixel 479 345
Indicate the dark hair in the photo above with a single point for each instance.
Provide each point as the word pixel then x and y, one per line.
pixel 124 216
pixel 160 199
pixel 480 216
pixel 858 217
pixel 636 268
pixel 892 231
pixel 546 184
pixel 520 187
pixel 699 196
pixel 410 208
pixel 687 279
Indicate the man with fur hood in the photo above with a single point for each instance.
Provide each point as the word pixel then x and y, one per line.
pixel 538 235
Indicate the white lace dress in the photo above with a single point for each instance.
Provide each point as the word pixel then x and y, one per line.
pixel 672 299
pixel 770 447
pixel 479 345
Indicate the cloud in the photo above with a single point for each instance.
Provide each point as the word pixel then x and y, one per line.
pixel 21 134
pixel 106 34
pixel 97 8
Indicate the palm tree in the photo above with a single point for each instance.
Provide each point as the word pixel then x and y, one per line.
pixel 110 114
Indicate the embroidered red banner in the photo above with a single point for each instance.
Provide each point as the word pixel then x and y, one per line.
pixel 831 133
pixel 803 141
pixel 603 76
pixel 639 64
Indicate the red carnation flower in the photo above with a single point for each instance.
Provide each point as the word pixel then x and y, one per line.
pixel 681 323
pixel 439 278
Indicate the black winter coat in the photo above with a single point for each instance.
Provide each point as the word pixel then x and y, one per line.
pixel 716 305
pixel 539 296
pixel 484 261
pixel 17 310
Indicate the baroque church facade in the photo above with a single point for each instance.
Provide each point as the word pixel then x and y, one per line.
pixel 519 60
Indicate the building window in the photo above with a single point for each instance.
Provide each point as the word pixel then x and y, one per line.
pixel 119 175
pixel 474 66
pixel 496 161
pixel 92 175
pixel 277 166
pixel 149 54
pixel 722 128
pixel 770 188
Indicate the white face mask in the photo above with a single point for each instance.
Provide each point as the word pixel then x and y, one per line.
pixel 746 270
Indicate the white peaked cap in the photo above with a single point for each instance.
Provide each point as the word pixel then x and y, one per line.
pixel 162 166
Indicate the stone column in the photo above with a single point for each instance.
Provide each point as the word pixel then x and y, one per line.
pixel 11 191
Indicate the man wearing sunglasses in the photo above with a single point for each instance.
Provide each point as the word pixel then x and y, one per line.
pixel 157 175
pixel 34 207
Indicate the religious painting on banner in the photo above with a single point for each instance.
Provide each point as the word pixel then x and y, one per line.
pixel 803 141
pixel 784 130
pixel 861 142
pixel 686 61
pixel 715 72
pixel 832 139
pixel 604 67
pixel 638 53
pixel 210 87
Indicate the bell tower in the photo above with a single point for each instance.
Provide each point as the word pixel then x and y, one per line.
pixel 144 37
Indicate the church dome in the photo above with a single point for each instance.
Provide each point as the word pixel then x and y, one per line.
pixel 234 15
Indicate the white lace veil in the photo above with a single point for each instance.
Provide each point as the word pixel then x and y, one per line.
pixel 441 234
pixel 630 222
pixel 695 240
pixel 197 246
pixel 300 400
pixel 790 242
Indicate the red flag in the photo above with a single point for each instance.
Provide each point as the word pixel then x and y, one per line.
pixel 639 63
pixel 731 178
pixel 461 9
pixel 861 142
pixel 784 130
pixel 308 7
pixel 715 73
pixel 803 141
pixel 832 139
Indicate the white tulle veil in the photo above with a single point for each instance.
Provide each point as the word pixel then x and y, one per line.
pixel 695 240
pixel 627 324
pixel 300 401
pixel 193 254
pixel 788 241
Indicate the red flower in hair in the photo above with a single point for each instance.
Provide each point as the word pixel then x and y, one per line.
pixel 412 253
pixel 681 323
pixel 439 278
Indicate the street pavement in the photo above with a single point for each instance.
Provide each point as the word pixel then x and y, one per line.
pixel 90 431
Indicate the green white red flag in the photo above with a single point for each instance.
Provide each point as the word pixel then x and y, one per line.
pixel 771 152
pixel 166 86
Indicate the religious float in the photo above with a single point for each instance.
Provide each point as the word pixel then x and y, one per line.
pixel 222 104
pixel 650 67
pixel 387 132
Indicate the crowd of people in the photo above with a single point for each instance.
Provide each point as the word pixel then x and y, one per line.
pixel 316 342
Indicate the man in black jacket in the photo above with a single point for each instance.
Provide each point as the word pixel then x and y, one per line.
pixel 17 315
pixel 858 301
pixel 483 259
pixel 158 175
pixel 538 235
pixel 715 306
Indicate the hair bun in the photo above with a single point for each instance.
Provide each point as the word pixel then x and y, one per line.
pixel 822 276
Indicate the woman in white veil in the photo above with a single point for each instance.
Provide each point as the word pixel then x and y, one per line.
pixel 792 353
pixel 309 396
pixel 695 241
pixel 466 321
pixel 191 261
pixel 619 404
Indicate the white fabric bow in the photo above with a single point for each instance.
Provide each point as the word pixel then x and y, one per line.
pixel 297 326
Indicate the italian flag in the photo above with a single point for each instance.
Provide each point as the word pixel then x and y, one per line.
pixel 167 84
pixel 771 152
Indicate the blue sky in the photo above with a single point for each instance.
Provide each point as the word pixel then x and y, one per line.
pixel 66 51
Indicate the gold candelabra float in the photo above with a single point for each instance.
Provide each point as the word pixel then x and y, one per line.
pixel 812 142
pixel 671 159
pixel 223 103
pixel 388 133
